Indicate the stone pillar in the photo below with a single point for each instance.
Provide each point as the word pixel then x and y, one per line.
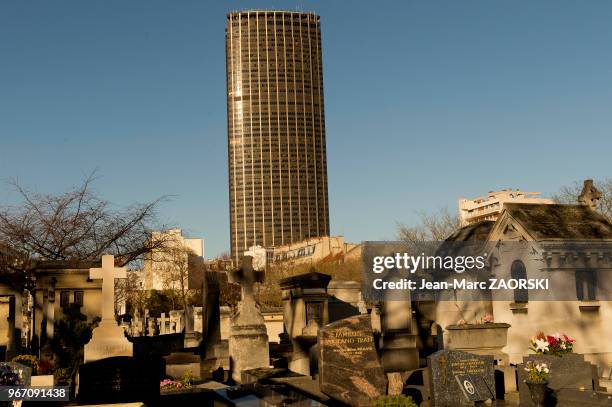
pixel 398 340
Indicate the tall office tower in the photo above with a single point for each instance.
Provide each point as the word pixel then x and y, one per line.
pixel 276 129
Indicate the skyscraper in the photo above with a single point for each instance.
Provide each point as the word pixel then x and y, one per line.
pixel 276 129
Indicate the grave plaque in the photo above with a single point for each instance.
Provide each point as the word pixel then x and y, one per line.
pixel 460 378
pixel 349 368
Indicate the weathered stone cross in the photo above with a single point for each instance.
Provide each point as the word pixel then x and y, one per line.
pixel 163 321
pixel 246 276
pixel 108 273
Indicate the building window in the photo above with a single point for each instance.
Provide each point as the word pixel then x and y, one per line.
pixel 78 298
pixel 586 285
pixel 64 299
pixel 518 271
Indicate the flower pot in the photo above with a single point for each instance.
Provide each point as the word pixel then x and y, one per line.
pixel 537 390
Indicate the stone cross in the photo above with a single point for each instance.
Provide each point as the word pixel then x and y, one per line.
pixel 108 273
pixel 163 320
pixel 590 196
pixel 247 277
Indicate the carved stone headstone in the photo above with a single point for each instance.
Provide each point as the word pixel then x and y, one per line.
pixel 177 321
pixel 349 368
pixel 459 378
pixel 108 338
pixel 248 341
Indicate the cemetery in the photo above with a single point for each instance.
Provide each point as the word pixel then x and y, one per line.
pixel 326 345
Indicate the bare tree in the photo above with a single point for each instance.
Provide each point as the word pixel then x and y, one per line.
pixel 76 225
pixel 569 195
pixel 174 271
pixel 130 291
pixel 436 226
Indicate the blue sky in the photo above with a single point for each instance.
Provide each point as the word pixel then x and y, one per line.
pixel 425 102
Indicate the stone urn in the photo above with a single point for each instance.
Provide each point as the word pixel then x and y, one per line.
pixel 537 391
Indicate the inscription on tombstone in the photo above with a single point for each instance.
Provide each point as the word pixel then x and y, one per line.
pixel 460 378
pixel 349 368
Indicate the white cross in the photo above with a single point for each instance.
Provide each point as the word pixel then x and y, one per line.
pixel 162 324
pixel 108 273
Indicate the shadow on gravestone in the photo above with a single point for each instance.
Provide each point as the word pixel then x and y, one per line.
pixel 349 368
pixel 119 379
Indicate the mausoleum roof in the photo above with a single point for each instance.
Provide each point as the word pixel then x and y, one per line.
pixel 555 221
pixel 474 232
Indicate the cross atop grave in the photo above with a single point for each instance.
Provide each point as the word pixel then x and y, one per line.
pixel 247 276
pixel 108 273
pixel 163 321
pixel 589 196
pixel 248 341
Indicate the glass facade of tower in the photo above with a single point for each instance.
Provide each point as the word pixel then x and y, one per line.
pixel 276 129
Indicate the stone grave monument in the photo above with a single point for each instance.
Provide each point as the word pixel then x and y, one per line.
pixel 177 321
pixel 569 371
pixel 349 367
pixel 458 378
pixel 108 338
pixel 305 309
pixel 248 341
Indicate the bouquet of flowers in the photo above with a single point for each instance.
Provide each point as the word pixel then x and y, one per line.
pixel 168 384
pixel 556 344
pixel 537 372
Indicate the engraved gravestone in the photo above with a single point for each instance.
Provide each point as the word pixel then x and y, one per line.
pixel 460 378
pixel 349 368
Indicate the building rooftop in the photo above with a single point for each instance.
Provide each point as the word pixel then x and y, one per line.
pixel 555 221
pixel 478 231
